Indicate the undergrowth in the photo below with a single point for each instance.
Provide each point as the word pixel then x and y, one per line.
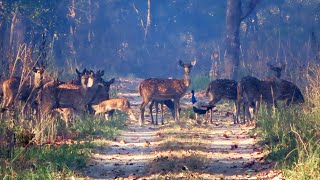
pixel 54 158
pixel 292 135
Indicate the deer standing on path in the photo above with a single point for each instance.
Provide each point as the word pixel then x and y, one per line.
pixel 222 89
pixel 164 89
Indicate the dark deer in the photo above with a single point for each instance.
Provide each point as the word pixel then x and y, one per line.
pixel 169 103
pixel 15 87
pixel 164 89
pixel 222 89
pixel 252 91
pixel 277 71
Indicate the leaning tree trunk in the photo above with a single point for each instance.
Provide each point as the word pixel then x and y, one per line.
pixel 231 57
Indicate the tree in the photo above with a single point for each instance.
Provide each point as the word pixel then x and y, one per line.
pixel 234 16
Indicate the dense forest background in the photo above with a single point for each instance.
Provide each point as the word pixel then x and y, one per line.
pixel 119 36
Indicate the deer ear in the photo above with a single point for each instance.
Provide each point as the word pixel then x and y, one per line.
pixel 181 63
pixel 111 81
pixel 84 71
pixel 77 71
pixel 34 69
pixel 101 72
pixel 193 62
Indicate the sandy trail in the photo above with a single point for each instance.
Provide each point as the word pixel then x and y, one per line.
pixel 229 150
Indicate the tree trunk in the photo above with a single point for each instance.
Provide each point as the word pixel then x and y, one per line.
pixel 231 57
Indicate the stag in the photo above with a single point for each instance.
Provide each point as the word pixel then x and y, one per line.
pixel 16 87
pixel 121 104
pixel 164 89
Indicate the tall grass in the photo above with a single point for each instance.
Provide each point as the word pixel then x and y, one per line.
pixel 293 136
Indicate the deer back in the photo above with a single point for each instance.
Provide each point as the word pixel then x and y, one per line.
pixel 161 89
pixel 289 91
pixel 111 104
pixel 222 89
pixel 47 97
pixel 103 91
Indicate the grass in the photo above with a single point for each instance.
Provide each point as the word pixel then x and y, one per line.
pixel 56 160
pixel 293 139
pixel 46 162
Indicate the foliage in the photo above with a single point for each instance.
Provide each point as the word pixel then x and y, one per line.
pixel 199 82
pixel 292 135
pixel 46 162
pixel 179 30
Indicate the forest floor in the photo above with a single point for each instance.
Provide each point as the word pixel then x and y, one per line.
pixel 191 150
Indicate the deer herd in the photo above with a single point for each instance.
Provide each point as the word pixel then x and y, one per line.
pixel 89 92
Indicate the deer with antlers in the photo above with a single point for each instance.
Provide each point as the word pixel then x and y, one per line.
pixel 164 89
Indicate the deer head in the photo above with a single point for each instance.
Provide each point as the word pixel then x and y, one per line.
pixel 276 70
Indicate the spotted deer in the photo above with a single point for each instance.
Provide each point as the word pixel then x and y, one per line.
pixel 164 89
pixel 121 104
pixel 276 70
pixel 169 103
pixel 252 91
pixel 16 88
pixel 68 113
pixel 76 97
pixel 222 89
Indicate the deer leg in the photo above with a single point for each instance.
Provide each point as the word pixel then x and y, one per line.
pixel 162 118
pixel 150 108
pixel 131 114
pixel 247 112
pixel 157 109
pixel 176 108
pixel 142 109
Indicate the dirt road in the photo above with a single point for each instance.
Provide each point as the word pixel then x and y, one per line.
pixel 190 150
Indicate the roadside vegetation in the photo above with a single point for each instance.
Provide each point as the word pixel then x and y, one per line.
pixel 58 152
pixel 292 135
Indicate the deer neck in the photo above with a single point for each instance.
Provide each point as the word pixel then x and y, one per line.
pixel 37 82
pixel 186 80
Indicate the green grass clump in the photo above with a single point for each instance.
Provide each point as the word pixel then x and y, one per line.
pixel 98 126
pixel 46 162
pixel 293 140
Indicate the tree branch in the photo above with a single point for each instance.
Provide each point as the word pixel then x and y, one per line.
pixel 252 5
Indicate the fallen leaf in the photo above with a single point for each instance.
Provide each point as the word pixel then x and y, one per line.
pixel 234 146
